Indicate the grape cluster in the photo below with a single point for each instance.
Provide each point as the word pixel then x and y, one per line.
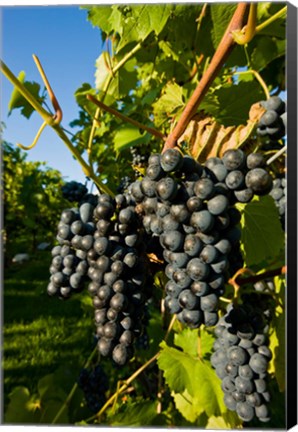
pixel 241 356
pixel 94 383
pixel 74 191
pixel 117 269
pixel 69 264
pixel 279 194
pixel 124 184
pixel 139 159
pixel 274 121
pixel 189 207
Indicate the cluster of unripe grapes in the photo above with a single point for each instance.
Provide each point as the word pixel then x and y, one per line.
pixel 241 356
pixel 273 122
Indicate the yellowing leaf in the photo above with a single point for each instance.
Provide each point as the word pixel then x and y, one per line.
pixel 207 138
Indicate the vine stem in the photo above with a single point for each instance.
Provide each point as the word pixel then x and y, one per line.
pixel 58 111
pixel 276 155
pixel 223 50
pixel 34 142
pixel 27 95
pixel 123 117
pixel 270 20
pixel 74 388
pixel 244 36
pixel 123 387
pixel 256 278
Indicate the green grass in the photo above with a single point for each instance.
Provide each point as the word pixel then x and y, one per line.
pixel 40 333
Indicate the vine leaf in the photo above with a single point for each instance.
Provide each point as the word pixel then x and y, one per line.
pixel 136 414
pixel 207 138
pixel 194 384
pixel 23 407
pixel 128 136
pixel 266 51
pixel 233 102
pixel 221 15
pixel 171 102
pixel 140 20
pixel 278 337
pixel 262 237
pixel 18 101
pixel 188 340
pixel 104 17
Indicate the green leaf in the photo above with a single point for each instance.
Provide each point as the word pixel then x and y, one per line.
pixel 81 97
pixel 185 405
pixel 50 389
pixel 120 84
pixel 50 409
pixel 266 51
pixel 107 18
pixel 22 407
pixel 18 101
pixel 277 28
pixel 221 15
pixel 168 104
pixel 102 72
pixel 188 341
pixel 143 413
pixel 194 384
pixel 194 343
pixel 278 337
pixel 167 48
pixel 262 237
pixel 178 368
pixel 232 102
pixel 141 20
pixel 129 136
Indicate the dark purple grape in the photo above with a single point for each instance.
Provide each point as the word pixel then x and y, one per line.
pixel 202 220
pixel 259 181
pixel 171 160
pixel 197 269
pixel 172 240
pixel 235 180
pixel 218 204
pixel 187 299
pixel 192 245
pixel 234 159
pixel 204 188
pixel 166 188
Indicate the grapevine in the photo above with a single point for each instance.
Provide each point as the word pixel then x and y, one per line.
pixel 171 256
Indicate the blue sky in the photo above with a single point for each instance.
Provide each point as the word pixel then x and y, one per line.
pixel 67 46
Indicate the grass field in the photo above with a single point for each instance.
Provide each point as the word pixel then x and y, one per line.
pixel 40 333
